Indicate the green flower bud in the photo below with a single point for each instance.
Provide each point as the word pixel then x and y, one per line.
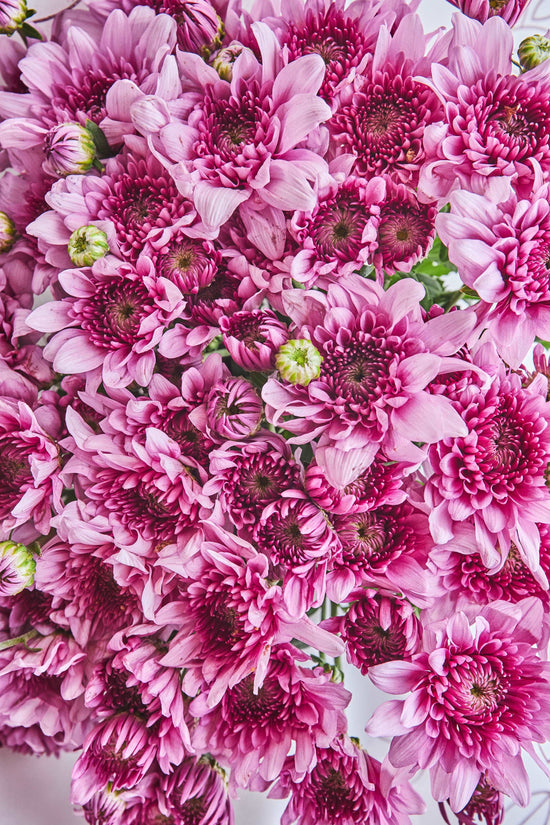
pixel 13 14
pixel 87 245
pixel 69 149
pixel 223 61
pixel 533 51
pixel 298 361
pixel 8 234
pixel 17 567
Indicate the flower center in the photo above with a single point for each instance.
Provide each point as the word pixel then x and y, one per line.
pixel 332 794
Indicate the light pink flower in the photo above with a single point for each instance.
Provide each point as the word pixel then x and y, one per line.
pixel 383 110
pixel 111 321
pixel 482 10
pixel 497 125
pixel 379 357
pixel 29 462
pixel 493 480
pixel 252 732
pixel 242 137
pixel 477 695
pixel 502 252
pixel 228 617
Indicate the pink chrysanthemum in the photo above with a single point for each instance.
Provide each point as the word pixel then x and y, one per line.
pixel 29 472
pixel 503 253
pixel 296 536
pixel 134 201
pixel 497 127
pixel 495 475
pixel 482 10
pixel 86 598
pixel 377 628
pixel 69 80
pixel 242 137
pixel 378 359
pixel 248 475
pixel 383 111
pixel 478 694
pixel 346 787
pixel 191 263
pixel 148 492
pixel 342 36
pixel 228 617
pixel 112 320
pixel 253 338
pixel 406 229
pixel 486 804
pixel 339 235
pixel 389 546
pixel 252 732
pixel 381 483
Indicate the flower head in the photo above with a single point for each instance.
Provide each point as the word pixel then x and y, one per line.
pixel 12 14
pixel 8 233
pixel 17 568
pixel 298 361
pixel 533 51
pixel 69 149
pixel 482 10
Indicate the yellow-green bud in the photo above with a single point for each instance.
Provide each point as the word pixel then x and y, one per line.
pixel 17 568
pixel 8 234
pixel 533 51
pixel 223 60
pixel 87 244
pixel 298 361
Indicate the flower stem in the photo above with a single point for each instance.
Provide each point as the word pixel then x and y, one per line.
pixel 18 640
pixel 51 16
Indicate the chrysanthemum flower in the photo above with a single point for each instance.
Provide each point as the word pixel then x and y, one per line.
pixel 497 125
pixel 503 253
pixel 379 357
pixel 69 81
pixel 298 539
pixel 112 319
pixel 29 469
pixel 228 617
pixel 339 235
pixel 383 110
pixel 482 10
pixel 242 137
pixel 495 475
pixel 252 732
pixel 346 787
pixel 248 475
pixel 478 694
pixel 377 627
pixel 253 338
pixel 406 229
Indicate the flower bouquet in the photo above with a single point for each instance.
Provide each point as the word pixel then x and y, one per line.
pixel 269 280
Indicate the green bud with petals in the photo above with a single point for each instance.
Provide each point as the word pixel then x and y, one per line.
pixel 533 51
pixel 299 361
pixel 17 568
pixel 86 245
pixel 8 233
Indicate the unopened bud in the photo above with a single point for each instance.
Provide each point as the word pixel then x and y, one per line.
pixel 8 234
pixel 87 245
pixel 533 51
pixel 298 361
pixel 17 567
pixel 13 14
pixel 69 150
pixel 223 61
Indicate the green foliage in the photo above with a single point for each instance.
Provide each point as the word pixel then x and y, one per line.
pixel 430 272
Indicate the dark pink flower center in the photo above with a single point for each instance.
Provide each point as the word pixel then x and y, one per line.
pixel 405 230
pixel 112 318
pixel 331 793
pixel 338 226
pixel 191 264
pixel 246 708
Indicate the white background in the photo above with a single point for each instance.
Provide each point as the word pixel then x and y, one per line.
pixel 36 791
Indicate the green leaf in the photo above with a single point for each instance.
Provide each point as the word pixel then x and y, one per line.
pixel 102 148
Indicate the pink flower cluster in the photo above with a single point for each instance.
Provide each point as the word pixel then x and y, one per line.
pixel 247 429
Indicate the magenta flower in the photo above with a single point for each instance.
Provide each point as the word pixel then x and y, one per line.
pixel 478 694
pixel 383 110
pixel 69 80
pixel 252 732
pixel 298 539
pixel 190 262
pixel 234 410
pixel 379 357
pixel 482 10
pixel 406 229
pixel 242 137
pixel 146 491
pixel 246 476
pixel 228 617
pixel 502 252
pixel 497 125
pixel 377 628
pixel 253 338
pixel 381 483
pixel 135 201
pixel 346 787
pixel 339 235
pixel 342 36
pixel 29 470
pixel 112 320
pixel 495 476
